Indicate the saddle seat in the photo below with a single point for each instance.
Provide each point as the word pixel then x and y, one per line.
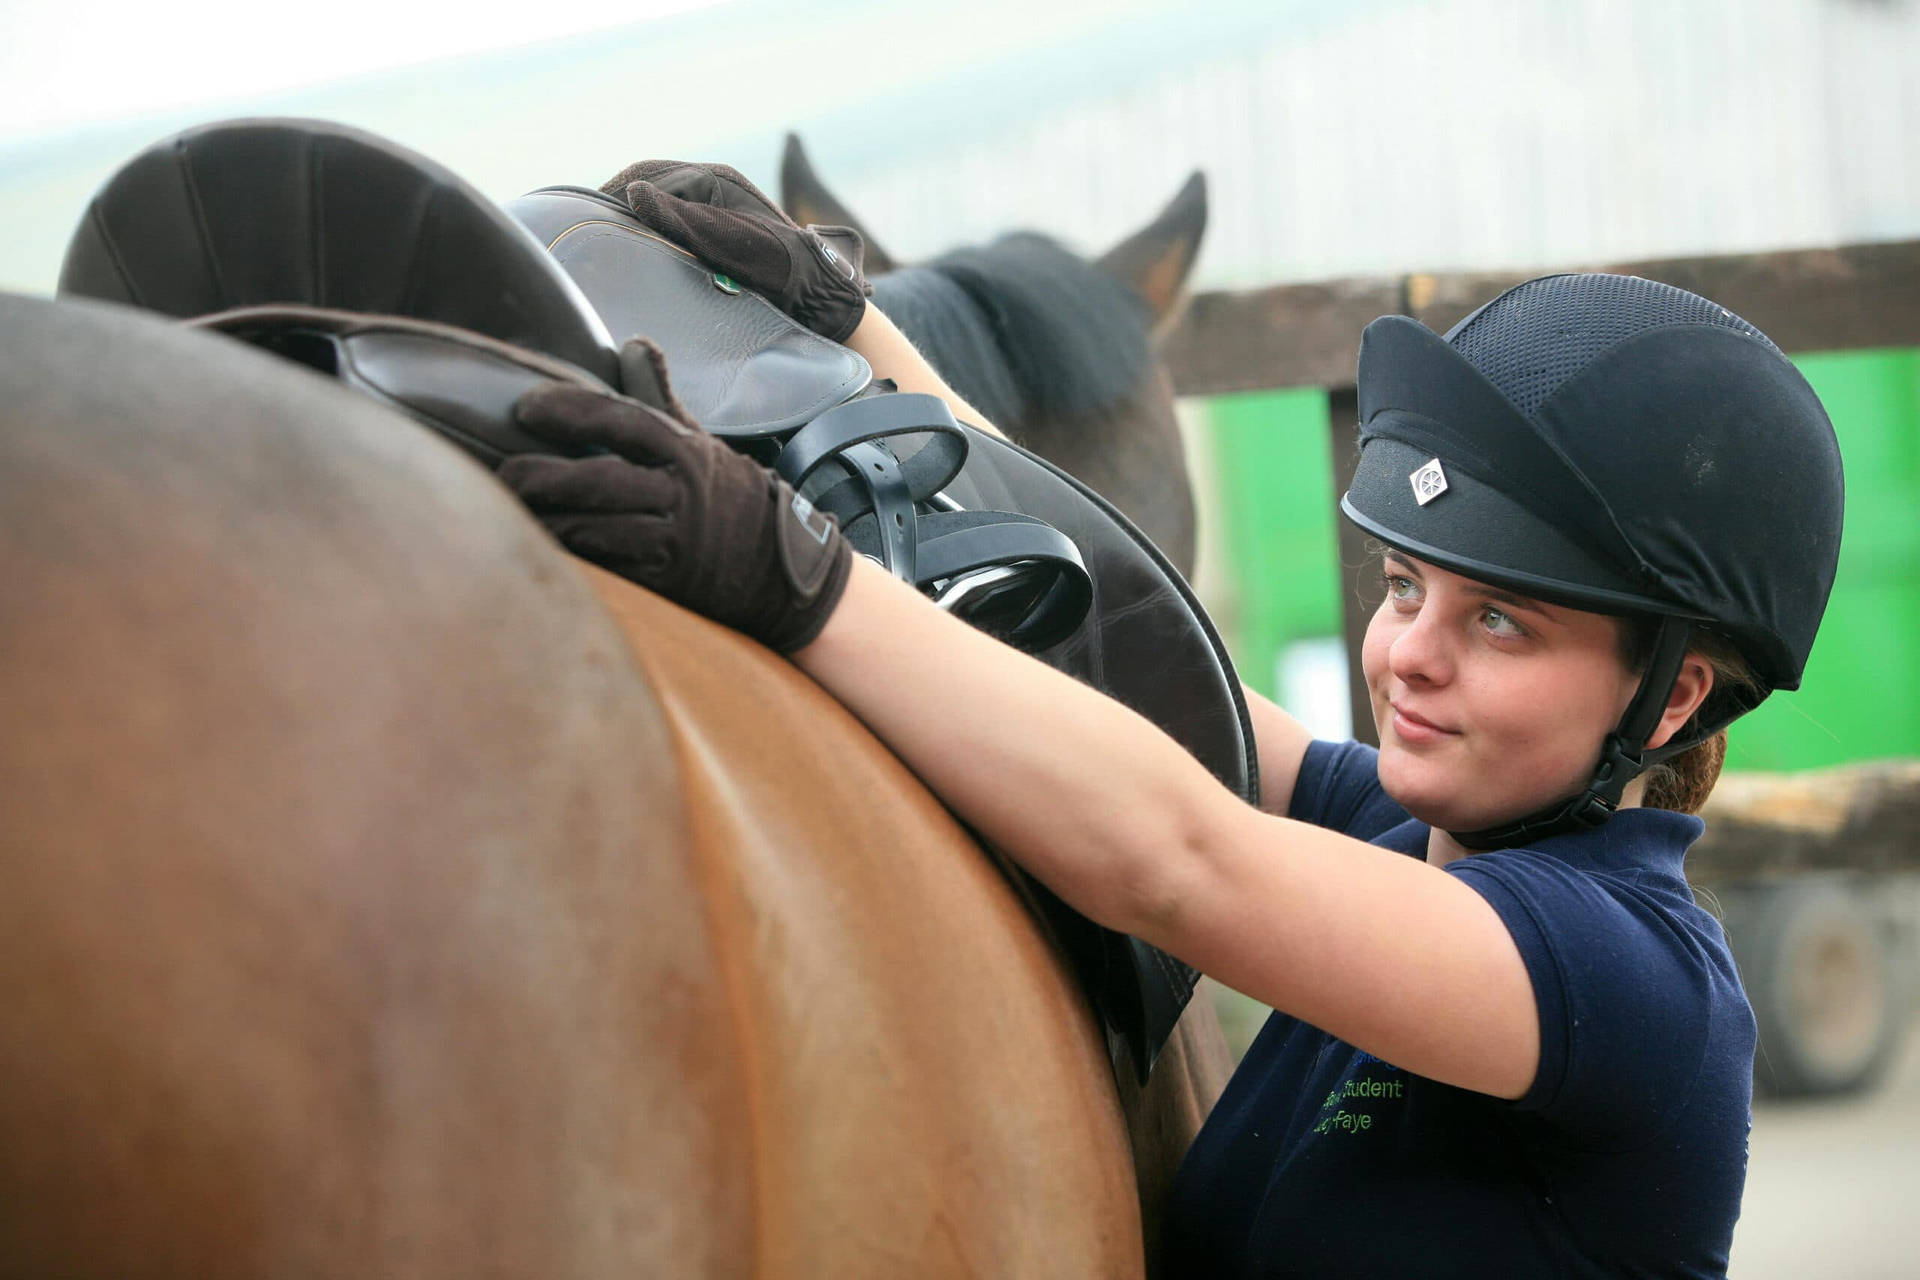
pixel 376 266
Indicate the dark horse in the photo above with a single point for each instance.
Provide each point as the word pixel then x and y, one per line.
pixel 388 893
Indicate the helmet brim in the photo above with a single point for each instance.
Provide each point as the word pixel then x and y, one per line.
pixel 1474 530
pixel 1513 511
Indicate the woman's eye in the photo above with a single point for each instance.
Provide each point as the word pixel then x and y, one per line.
pixel 1399 588
pixel 1501 625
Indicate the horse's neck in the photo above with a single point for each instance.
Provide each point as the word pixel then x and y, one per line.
pixel 944 322
pixel 1127 450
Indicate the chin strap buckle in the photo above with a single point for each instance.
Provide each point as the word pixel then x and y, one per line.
pixel 1592 810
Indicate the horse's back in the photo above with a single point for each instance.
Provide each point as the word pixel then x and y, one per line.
pixel 346 927
pixel 927 1091
pixel 371 910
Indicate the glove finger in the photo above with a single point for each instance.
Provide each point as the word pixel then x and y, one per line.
pixel 635 547
pixel 576 416
pixel 638 171
pixel 602 485
pixel 742 244
pixel 719 185
pixel 683 177
pixel 643 376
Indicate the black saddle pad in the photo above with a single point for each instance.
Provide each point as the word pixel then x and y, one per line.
pixel 1148 643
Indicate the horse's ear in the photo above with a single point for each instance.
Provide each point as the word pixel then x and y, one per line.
pixel 807 200
pixel 1155 260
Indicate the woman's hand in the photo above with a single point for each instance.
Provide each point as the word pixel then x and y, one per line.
pixel 713 212
pixel 672 508
pixel 811 273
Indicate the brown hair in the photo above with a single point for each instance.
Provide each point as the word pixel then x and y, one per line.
pixel 1684 782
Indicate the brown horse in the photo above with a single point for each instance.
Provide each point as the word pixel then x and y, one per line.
pixel 390 894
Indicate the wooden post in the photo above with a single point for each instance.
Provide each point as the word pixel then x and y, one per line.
pixel 1359 595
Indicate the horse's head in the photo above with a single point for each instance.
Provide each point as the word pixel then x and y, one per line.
pixel 1059 351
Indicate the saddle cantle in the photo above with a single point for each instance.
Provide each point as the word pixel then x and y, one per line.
pixel 378 267
pixel 272 212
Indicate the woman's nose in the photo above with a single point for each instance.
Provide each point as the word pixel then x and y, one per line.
pixel 1422 651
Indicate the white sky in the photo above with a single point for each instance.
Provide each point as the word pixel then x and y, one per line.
pixel 76 61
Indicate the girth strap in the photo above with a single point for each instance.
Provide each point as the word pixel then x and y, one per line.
pixel 880 417
pixel 880 480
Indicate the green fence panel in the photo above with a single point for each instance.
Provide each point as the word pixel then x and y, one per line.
pixel 1860 698
pixel 1275 492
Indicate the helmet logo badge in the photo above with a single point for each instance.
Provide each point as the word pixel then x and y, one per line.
pixel 1429 482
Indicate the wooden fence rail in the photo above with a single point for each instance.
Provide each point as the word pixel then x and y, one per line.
pixel 1307 335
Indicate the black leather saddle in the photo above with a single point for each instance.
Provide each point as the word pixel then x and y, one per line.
pixel 879 461
pixel 1142 638
pixel 376 266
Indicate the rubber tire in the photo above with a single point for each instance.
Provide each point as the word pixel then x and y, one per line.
pixel 1825 986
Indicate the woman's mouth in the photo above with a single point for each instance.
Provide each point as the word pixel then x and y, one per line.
pixel 1411 727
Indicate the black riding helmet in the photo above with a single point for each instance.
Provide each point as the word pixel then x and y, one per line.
pixel 1620 446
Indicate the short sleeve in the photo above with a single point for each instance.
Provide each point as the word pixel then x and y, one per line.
pixel 1624 989
pixel 1339 788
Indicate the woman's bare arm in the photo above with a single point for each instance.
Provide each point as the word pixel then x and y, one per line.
pixel 1281 744
pixel 1382 950
pixel 1281 741
pixel 890 355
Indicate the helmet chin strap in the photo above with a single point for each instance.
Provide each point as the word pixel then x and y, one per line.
pixel 1623 756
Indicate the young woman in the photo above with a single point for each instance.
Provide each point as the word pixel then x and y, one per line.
pixel 1508 1043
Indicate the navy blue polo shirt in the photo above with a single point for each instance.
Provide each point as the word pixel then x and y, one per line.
pixel 1626 1157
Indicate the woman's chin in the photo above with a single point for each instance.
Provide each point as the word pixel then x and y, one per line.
pixel 1417 781
pixel 1433 795
pixel 1439 805
pixel 1445 816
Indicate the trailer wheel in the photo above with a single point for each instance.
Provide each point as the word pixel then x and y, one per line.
pixel 1821 974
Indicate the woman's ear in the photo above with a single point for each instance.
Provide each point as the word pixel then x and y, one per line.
pixel 1690 689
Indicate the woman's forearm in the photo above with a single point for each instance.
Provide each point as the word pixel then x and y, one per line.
pixel 1092 798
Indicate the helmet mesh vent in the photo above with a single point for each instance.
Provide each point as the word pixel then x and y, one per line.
pixel 1532 339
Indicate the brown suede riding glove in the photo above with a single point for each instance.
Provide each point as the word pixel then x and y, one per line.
pixel 713 212
pixel 671 507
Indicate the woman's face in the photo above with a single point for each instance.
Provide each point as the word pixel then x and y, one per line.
pixel 1489 704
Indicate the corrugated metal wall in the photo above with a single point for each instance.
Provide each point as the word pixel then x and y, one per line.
pixel 1475 133
pixel 1340 136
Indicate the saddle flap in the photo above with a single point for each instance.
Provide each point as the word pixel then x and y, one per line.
pixel 740 365
pixel 461 384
